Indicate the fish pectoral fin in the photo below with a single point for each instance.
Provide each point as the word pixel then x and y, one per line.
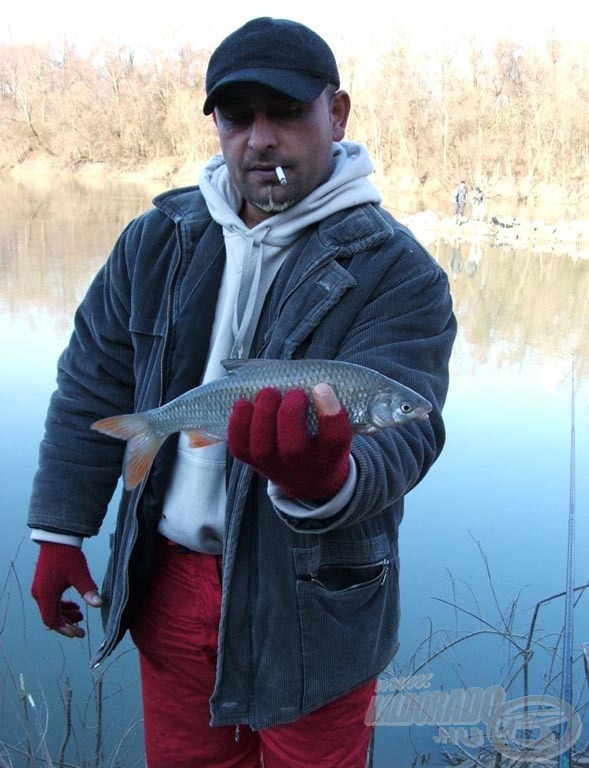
pixel 202 439
pixel 364 428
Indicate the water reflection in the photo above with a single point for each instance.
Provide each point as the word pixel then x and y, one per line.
pixel 501 488
pixel 53 240
pixel 536 303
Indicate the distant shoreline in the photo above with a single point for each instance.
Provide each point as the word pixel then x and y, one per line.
pixel 428 224
pixel 566 237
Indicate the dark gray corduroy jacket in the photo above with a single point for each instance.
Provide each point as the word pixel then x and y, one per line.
pixel 310 608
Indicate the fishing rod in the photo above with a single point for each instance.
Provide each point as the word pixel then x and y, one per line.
pixel 565 758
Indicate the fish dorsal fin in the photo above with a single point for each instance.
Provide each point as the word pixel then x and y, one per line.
pixel 233 364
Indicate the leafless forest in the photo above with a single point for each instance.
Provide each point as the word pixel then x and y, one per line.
pixel 510 116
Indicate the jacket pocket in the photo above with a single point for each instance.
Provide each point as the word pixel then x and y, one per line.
pixel 347 596
pixel 147 338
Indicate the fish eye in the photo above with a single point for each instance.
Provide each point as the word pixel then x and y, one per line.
pixel 406 407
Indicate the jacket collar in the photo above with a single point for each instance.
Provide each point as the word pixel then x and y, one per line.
pixel 347 231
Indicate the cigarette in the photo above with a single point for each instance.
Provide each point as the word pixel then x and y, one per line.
pixel 281 176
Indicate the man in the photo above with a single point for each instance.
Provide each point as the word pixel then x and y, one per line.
pixel 260 585
pixel 478 204
pixel 460 198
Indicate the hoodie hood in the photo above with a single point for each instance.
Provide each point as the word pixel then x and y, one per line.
pixel 347 186
pixel 257 253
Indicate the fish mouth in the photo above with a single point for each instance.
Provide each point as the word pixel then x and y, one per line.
pixel 423 411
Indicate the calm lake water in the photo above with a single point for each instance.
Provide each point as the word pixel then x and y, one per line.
pixel 483 541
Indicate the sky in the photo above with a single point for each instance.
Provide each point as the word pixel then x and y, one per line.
pixel 147 24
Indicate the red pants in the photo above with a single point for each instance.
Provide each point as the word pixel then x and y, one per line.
pixel 177 640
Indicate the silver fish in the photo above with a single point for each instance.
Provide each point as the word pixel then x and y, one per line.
pixel 372 400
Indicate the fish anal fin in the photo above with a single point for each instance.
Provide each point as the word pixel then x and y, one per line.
pixel 200 440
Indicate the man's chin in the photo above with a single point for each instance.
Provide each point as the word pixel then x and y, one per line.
pixel 272 206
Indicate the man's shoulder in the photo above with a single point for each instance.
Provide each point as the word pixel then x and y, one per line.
pixel 364 227
pixel 358 227
pixel 180 206
pixel 370 228
pixel 182 203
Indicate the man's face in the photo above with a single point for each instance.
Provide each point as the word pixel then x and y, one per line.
pixel 260 129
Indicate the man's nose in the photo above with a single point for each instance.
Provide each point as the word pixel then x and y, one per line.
pixel 262 133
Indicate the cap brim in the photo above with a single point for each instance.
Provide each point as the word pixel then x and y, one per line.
pixel 293 84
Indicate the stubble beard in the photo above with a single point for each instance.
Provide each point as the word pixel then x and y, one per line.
pixel 270 205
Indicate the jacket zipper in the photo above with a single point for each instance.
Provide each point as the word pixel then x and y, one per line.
pixel 106 648
pixel 382 576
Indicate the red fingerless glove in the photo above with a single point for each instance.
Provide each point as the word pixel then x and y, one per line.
pixel 59 567
pixel 271 436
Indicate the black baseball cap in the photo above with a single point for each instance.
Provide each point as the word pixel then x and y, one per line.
pixel 280 54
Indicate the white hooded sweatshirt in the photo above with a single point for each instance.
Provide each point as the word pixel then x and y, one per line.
pixel 194 508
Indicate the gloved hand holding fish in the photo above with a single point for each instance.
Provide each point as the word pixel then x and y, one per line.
pixel 271 435
pixel 372 402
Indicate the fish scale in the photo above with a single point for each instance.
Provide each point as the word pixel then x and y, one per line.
pixel 210 404
pixel 372 400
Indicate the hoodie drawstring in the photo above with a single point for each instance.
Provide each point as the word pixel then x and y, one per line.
pixel 248 297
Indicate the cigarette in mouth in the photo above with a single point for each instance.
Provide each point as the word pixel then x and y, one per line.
pixel 281 176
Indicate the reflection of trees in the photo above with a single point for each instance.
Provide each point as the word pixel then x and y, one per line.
pixel 510 302
pixel 54 239
pixel 518 302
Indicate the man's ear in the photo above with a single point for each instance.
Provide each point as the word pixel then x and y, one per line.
pixel 340 111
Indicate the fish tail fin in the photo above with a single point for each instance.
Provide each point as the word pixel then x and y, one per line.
pixel 142 444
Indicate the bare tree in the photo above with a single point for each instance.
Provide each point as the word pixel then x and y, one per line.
pixel 511 113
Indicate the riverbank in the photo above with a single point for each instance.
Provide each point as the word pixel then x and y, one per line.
pixel 570 237
pixel 425 210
